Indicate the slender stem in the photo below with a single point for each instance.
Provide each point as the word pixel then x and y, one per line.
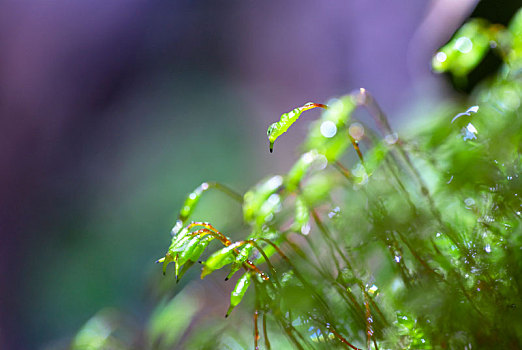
pixel 402 266
pixel 288 328
pixel 256 330
pixel 343 170
pixel 330 239
pixel 216 234
pixel 417 256
pixel 340 288
pixel 265 333
pixel 327 234
pixel 298 275
pixel 250 265
pixel 340 337
pixel 227 190
pixel 268 263
pixel 355 145
pixel 226 242
pixel 369 322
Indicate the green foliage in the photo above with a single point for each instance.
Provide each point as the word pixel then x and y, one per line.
pixel 287 119
pixel 415 245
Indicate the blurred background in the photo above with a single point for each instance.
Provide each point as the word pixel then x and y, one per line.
pixel 111 112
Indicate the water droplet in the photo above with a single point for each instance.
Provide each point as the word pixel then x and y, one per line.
pixel 441 57
pixel 328 129
pixel 335 211
pixel 356 131
pixel 469 202
pixel 273 201
pixel 177 227
pixel 463 44
pixel 320 162
pixel 397 258
pixel 469 132
pixel 487 248
pixel 360 173
pixel 275 182
pixel 373 289
pixel 308 157
pixel 391 139
pixel 305 229
pixel 488 218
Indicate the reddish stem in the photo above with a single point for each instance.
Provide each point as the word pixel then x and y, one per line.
pixel 256 330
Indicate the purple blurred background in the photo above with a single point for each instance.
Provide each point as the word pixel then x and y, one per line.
pixel 110 112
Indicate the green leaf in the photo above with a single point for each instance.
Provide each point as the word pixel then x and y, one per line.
pixel 239 292
pixel 191 201
pixel 220 258
pixel 243 255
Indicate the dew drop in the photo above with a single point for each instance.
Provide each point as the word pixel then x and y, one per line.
pixel 335 211
pixel 441 57
pixel 463 44
pixel 356 131
pixel 391 139
pixel 305 229
pixel 373 289
pixel 328 129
